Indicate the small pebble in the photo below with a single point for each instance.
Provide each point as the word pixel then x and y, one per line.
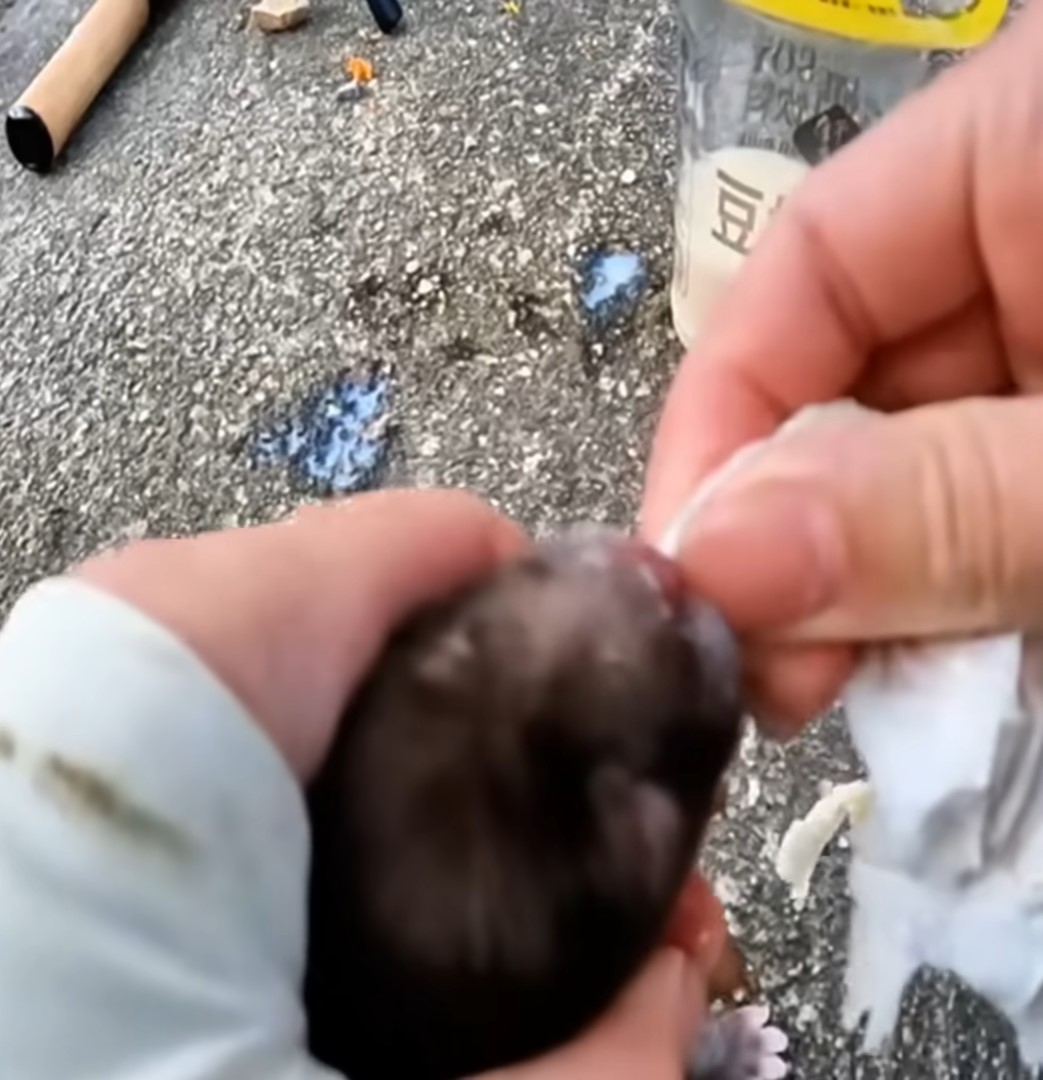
pixel 628 177
pixel 350 91
pixel 426 287
pixel 274 16
pixel 808 1016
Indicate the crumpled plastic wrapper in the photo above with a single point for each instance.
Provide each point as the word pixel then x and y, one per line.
pixel 947 837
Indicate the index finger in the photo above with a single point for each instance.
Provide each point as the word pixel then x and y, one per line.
pixel 877 244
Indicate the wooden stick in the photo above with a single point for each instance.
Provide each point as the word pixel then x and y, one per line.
pixel 40 122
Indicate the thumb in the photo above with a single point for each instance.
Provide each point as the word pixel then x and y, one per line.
pixel 922 523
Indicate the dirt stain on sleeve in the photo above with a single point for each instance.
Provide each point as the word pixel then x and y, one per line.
pixel 8 747
pixel 97 797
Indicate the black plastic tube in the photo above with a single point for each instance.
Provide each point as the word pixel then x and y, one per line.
pixel 388 14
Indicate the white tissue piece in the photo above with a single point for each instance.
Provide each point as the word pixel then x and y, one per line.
pixel 947 868
pixel 947 857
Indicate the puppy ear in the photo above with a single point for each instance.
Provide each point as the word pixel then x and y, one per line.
pixel 641 825
pixel 660 824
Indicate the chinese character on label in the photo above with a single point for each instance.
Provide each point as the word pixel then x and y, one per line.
pixel 737 205
pixel 725 201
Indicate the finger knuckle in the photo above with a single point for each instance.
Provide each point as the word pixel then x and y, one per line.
pixel 966 553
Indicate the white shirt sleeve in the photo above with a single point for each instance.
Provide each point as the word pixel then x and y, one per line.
pixel 153 858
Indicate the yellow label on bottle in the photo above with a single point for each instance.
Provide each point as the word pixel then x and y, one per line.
pixel 885 22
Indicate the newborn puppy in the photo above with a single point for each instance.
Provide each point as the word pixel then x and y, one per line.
pixel 512 805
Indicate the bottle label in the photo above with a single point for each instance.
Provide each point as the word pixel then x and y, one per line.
pixel 886 22
pixel 725 201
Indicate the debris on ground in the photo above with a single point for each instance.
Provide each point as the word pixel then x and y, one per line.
pixel 611 283
pixel 512 7
pixel 350 91
pixel 339 440
pixel 358 69
pixel 274 16
pixel 807 837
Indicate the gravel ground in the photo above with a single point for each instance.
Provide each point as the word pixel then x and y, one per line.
pixel 223 236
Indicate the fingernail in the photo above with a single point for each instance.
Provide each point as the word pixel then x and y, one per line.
pixel 769 554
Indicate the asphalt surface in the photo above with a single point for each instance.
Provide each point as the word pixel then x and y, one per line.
pixel 223 236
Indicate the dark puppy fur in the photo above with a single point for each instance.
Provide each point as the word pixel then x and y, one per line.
pixel 510 810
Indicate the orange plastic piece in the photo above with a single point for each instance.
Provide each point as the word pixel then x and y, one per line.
pixel 359 69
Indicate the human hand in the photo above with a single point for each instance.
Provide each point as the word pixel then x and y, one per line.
pixel 904 272
pixel 291 616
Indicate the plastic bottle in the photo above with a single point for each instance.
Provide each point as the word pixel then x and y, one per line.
pixel 769 88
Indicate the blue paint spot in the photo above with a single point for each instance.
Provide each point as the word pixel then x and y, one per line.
pixel 611 285
pixel 339 440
